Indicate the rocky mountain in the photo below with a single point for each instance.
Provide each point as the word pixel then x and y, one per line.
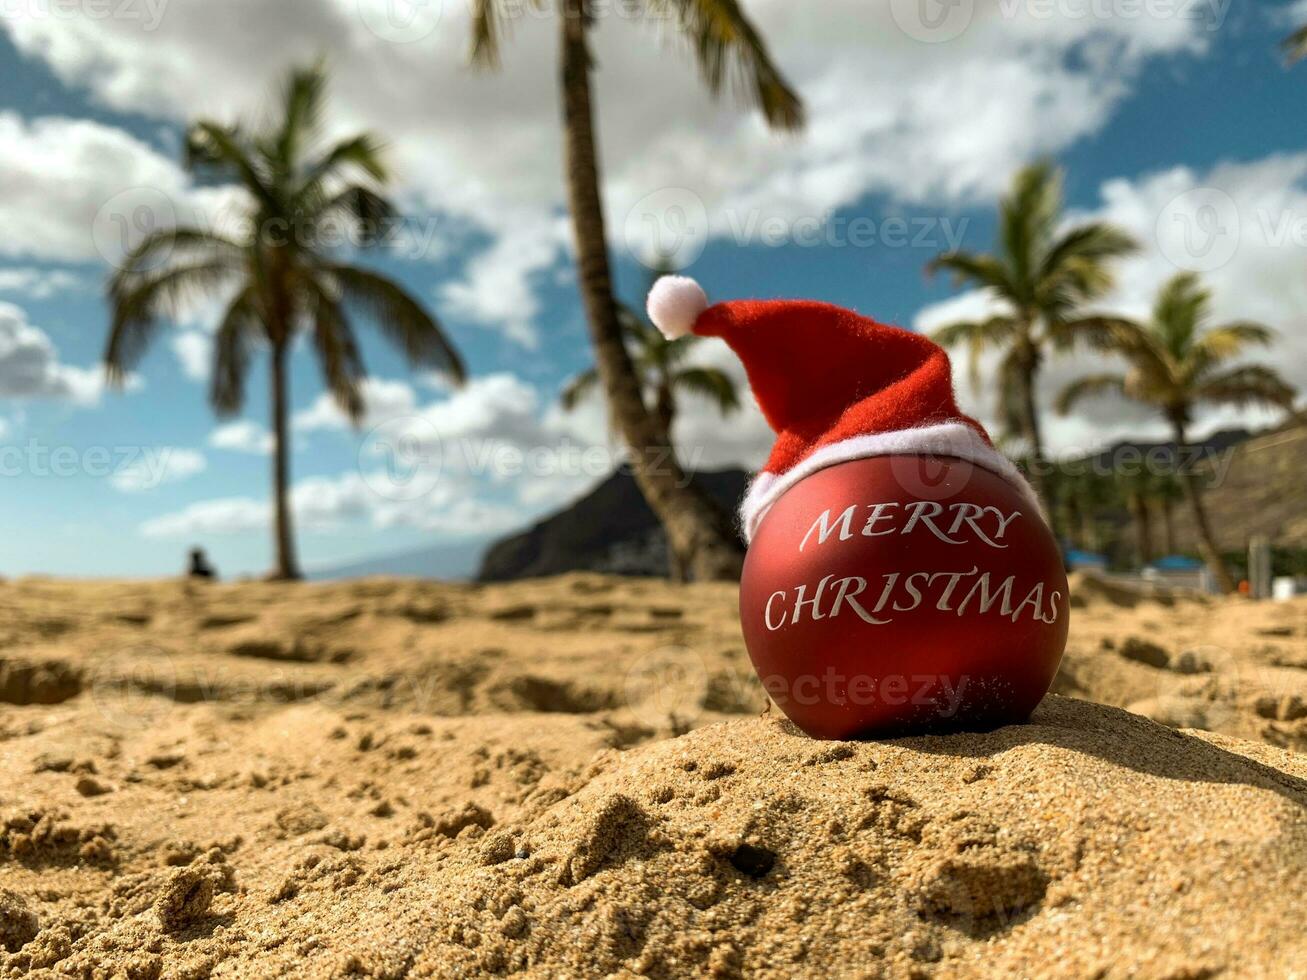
pixel 611 529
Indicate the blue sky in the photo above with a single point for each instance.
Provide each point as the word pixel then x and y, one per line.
pixel 908 146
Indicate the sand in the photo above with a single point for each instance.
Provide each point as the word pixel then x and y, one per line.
pixel 576 777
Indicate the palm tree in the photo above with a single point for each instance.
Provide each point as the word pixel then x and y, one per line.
pixel 1136 489
pixel 728 48
pixel 660 364
pixel 1295 46
pixel 1178 361
pixel 281 281
pixel 1167 490
pixel 1040 275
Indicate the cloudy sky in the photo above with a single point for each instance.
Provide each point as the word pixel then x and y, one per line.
pixel 1174 118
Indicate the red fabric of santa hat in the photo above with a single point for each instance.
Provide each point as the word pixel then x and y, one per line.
pixel 835 386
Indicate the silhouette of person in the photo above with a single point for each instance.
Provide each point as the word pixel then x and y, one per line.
pixel 200 567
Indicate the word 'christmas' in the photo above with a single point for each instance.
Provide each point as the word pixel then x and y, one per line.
pixel 955 592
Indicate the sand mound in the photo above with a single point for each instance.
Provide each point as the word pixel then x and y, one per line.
pixel 748 848
pixel 572 778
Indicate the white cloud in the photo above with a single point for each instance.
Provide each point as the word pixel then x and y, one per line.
pixel 932 124
pixel 30 365
pixel 194 352
pixel 383 399
pixel 38 283
pixel 155 466
pixel 231 515
pixel 79 190
pixel 242 436
pixel 1242 226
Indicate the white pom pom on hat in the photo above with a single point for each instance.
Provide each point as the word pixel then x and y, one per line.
pixel 675 303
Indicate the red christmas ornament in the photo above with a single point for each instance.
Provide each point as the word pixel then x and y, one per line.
pixel 900 574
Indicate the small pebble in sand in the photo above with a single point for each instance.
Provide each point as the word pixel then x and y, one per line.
pixel 185 899
pixel 18 923
pixel 90 786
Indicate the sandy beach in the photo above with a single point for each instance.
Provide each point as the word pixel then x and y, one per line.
pixel 578 777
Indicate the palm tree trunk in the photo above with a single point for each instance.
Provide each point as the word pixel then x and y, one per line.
pixel 1168 525
pixel 697 531
pixel 665 410
pixel 1143 527
pixel 1206 542
pixel 1039 475
pixel 287 567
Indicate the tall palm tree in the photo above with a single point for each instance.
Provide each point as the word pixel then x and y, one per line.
pixel 728 48
pixel 1040 274
pixel 281 280
pixel 1177 362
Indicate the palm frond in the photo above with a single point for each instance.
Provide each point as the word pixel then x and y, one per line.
pixel 362 152
pixel 399 316
pixel 732 53
pixel 710 383
pixel 1027 216
pixel 485 33
pixel 1231 339
pixel 137 302
pixel 1247 386
pixel 489 31
pixel 219 151
pixel 170 244
pixel 302 101
pixel 1098 332
pixel 338 355
pixel 1087 387
pixel 1295 46
pixel 978 336
pixel 237 332
pixel 1077 268
pixel 578 389
pixel 980 270
pixel 1093 242
pixel 370 212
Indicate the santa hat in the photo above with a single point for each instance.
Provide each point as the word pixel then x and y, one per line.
pixel 835 386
